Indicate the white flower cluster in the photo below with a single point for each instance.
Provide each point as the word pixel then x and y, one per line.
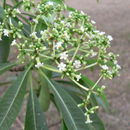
pixel 72 43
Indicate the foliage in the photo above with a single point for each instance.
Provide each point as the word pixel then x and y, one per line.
pixel 56 45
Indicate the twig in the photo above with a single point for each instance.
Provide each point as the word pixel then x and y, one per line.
pixel 20 123
pixel 54 124
pixel 17 69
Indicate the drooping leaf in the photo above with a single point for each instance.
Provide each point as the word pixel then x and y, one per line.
pixel 35 119
pixel 73 116
pixel 6 66
pixel 44 97
pixel 4 49
pixel 10 103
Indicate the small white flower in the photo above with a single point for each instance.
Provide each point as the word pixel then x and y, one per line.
pixel 42 32
pixel 62 21
pixel 77 64
pixel 82 28
pixel 13 42
pixel 78 77
pixel 66 35
pixel 103 86
pixel 39 64
pixel 63 56
pixel 82 12
pixel 62 66
pixel 118 66
pixel 89 121
pixel 35 21
pixel 70 14
pixel 6 32
pixel 105 67
pixel 58 45
pixel 50 3
pixel 102 33
pixel 93 22
pixel 110 38
pixel 115 62
pixel 33 35
pixel 18 11
pixel 93 54
pixel 97 31
pixel 68 24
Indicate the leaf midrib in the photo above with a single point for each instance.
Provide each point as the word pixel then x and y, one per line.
pixel 62 101
pixel 6 66
pixel 33 107
pixel 8 110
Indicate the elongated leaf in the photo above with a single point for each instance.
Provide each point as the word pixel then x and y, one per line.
pixel 6 66
pixel 71 87
pixel 35 119
pixel 4 49
pixel 73 116
pixel 63 126
pixel 10 103
pixel 1 13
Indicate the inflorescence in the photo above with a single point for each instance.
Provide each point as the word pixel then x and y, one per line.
pixel 69 39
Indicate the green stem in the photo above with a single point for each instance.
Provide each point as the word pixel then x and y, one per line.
pixel 90 92
pixel 96 82
pixel 51 69
pixel 75 53
pixel 81 86
pixel 89 66
pixel 42 55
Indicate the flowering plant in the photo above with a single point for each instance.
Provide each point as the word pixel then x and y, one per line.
pixel 57 45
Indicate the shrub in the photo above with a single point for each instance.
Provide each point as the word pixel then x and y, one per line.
pixel 56 46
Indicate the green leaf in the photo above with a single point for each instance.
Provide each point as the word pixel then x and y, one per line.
pixel 10 103
pixel 71 87
pixel 35 119
pixel 4 49
pixel 44 97
pixel 97 122
pixel 1 13
pixel 4 43
pixel 63 126
pixel 73 116
pixel 6 66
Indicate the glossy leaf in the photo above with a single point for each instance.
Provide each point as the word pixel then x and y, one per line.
pixel 6 66
pixel 10 103
pixel 73 116
pixel 35 119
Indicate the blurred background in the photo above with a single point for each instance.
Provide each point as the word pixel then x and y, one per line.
pixel 112 17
